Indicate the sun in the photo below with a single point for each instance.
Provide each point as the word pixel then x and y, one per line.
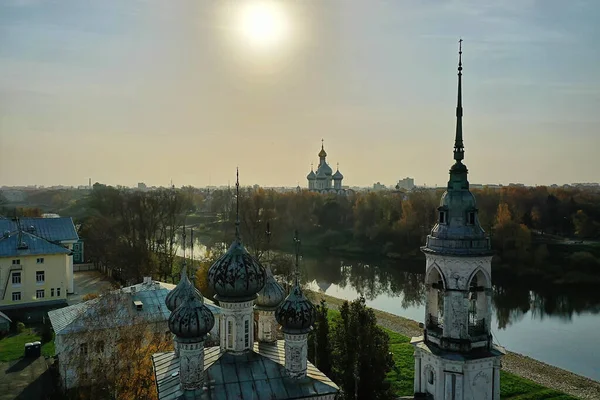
pixel 263 23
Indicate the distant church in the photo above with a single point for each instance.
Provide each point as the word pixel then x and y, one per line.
pixel 324 180
pixel 456 357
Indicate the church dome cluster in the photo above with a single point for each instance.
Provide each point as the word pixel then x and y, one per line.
pixel 324 180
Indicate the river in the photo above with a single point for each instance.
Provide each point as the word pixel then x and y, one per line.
pixel 553 325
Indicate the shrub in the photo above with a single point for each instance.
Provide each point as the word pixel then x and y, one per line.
pixel 90 296
pixel 20 327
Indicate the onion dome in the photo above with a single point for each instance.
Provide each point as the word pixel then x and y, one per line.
pixel 338 175
pixel 296 314
pixel 271 295
pixel 236 276
pixel 191 319
pixel 322 153
pixel 311 175
pixel 176 296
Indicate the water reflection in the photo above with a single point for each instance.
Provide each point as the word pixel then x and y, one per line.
pixel 511 300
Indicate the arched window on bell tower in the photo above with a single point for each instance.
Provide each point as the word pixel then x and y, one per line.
pixel 478 304
pixel 435 301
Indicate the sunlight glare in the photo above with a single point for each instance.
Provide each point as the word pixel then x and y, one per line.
pixel 263 23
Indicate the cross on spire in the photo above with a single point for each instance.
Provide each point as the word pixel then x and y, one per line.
pixel 322 143
pixel 237 203
pixel 297 250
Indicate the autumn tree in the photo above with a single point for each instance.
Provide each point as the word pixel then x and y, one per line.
pixel 319 350
pixel 106 351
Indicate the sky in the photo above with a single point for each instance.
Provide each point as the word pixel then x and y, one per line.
pixel 151 90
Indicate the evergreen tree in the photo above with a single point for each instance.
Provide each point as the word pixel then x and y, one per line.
pixel 319 351
pixel 360 354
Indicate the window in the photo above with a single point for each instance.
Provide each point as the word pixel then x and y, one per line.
pixel 16 278
pixel 430 377
pixel 40 260
pixel 52 292
pixel 40 294
pixel 246 333
pixel 16 296
pixel 442 217
pixel 16 262
pixel 471 218
pixel 83 350
pixel 230 334
pixel 100 346
pixel 58 291
pixel 40 277
pixel 267 331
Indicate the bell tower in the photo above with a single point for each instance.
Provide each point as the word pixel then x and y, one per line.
pixel 455 359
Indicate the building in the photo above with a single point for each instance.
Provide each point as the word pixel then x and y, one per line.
pixel 240 367
pixel 36 265
pixel 54 229
pixel 378 187
pixel 406 184
pixel 456 358
pixel 86 334
pixel 324 180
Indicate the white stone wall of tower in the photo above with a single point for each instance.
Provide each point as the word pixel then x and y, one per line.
pixel 457 380
pixel 296 354
pixel 267 326
pixel 191 362
pixel 237 326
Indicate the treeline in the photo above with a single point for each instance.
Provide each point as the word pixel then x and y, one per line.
pixel 137 233
pixel 387 223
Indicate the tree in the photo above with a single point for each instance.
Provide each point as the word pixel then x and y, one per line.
pixel 319 351
pixel 361 357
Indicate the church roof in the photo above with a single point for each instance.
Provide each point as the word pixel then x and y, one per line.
pixel 256 375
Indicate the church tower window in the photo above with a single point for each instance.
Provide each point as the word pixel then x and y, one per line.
pixel 471 218
pixel 442 217
pixel 230 334
pixel 246 333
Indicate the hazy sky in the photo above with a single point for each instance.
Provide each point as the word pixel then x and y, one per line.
pixel 124 91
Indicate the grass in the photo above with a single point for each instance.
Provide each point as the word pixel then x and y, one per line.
pixel 512 387
pixel 12 347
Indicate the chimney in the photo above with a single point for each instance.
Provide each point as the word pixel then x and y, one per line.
pixel 147 280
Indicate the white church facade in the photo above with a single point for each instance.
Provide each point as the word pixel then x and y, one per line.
pixel 456 359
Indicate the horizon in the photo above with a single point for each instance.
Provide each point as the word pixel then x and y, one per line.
pixel 148 92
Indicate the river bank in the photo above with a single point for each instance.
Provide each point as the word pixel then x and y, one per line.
pixel 523 366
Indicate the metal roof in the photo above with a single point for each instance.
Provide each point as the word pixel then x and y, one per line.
pixel 255 375
pixel 52 229
pixel 12 246
pixel 116 309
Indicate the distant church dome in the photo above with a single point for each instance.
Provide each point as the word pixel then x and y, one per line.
pixel 338 175
pixel 191 319
pixel 321 174
pixel 296 314
pixel 236 276
pixel 176 296
pixel 311 175
pixel 271 295
pixel 322 153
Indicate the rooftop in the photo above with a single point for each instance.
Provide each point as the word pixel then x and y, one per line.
pixel 52 229
pixel 28 244
pixel 122 307
pixel 256 375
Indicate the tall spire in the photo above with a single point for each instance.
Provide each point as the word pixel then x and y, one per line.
pixel 297 250
pixel 237 204
pixel 459 151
